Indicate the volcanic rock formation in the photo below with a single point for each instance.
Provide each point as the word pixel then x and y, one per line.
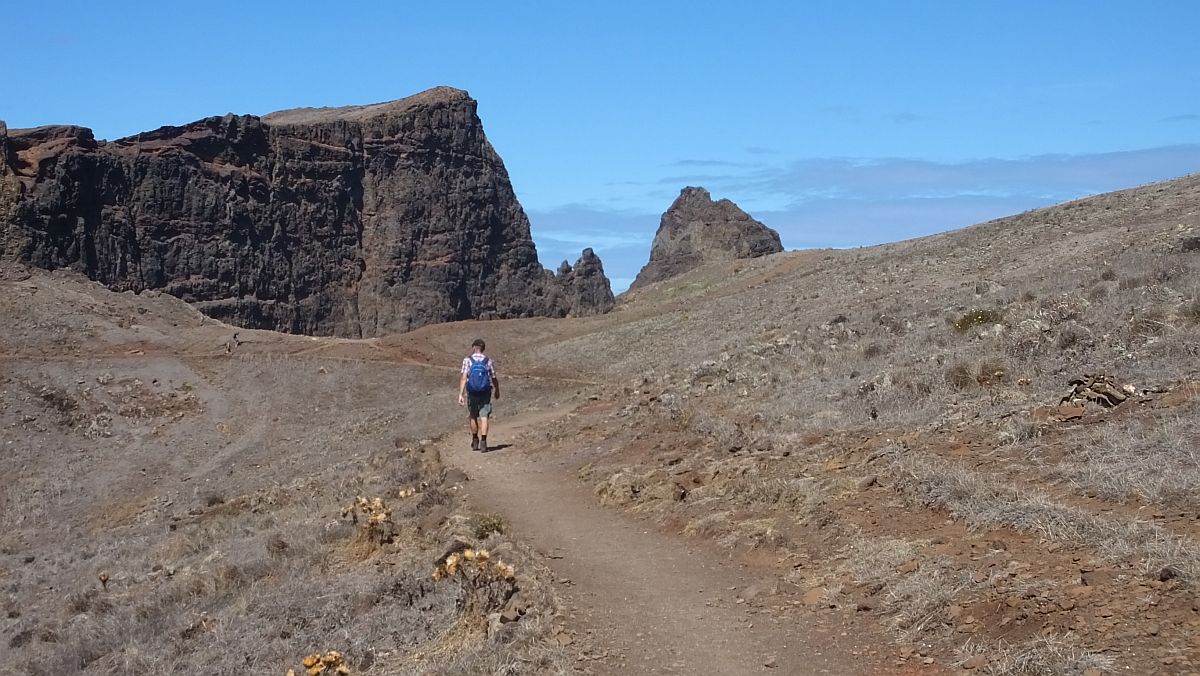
pixel 696 230
pixel 584 289
pixel 354 221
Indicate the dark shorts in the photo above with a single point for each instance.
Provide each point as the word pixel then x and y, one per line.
pixel 479 405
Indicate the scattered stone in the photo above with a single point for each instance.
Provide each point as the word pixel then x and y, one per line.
pixel 867 481
pixel 976 662
pixel 814 597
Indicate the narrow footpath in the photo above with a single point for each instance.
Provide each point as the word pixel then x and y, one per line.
pixel 639 600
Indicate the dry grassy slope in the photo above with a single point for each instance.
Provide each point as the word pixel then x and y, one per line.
pixel 885 415
pixel 1048 251
pixel 819 406
pixel 208 489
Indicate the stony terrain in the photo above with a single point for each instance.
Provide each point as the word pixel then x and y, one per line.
pixel 696 230
pixel 356 221
pixel 969 453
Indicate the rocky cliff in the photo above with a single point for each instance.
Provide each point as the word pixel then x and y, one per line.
pixel 696 230
pixel 354 221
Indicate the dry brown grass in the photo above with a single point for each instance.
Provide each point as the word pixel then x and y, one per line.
pixel 982 500
pixel 1155 460
pixel 1042 656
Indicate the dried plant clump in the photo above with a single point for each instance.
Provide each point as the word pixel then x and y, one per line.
pixel 376 523
pixel 977 318
pixel 474 565
pixel 486 584
pixel 1191 311
pixel 483 525
pixel 959 377
pixel 331 662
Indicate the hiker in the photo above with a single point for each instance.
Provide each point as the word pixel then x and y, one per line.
pixel 476 388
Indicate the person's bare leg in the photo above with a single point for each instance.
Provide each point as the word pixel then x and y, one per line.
pixel 483 430
pixel 473 425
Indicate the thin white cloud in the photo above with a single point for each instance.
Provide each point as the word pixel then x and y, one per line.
pixel 1052 177
pixel 844 202
pixel 709 163
pixel 621 238
pixel 591 238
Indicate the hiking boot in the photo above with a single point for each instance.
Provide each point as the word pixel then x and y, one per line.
pixel 483 445
pixel 474 443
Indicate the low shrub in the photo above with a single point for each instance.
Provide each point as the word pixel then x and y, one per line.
pixel 483 525
pixel 977 318
pixel 959 377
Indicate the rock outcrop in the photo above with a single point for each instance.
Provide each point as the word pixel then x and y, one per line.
pixel 354 221
pixel 583 289
pixel 696 230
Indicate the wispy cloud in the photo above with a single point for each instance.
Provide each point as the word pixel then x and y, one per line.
pixel 842 202
pixel 905 118
pixel 708 163
pixel 620 237
pixel 1186 117
pixel 841 223
pixel 761 150
pixel 1053 177
pixel 839 110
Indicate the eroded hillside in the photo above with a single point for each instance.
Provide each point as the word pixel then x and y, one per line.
pixel 180 499
pixel 985 440
pixel 974 452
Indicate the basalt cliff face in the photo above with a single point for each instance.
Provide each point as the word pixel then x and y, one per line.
pixel 696 230
pixel 355 221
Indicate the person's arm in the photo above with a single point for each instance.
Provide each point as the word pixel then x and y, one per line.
pixel 462 389
pixel 495 382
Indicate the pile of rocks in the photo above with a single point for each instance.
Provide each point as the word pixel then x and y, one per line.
pixel 1097 388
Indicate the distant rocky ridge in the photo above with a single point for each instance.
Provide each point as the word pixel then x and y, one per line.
pixel 696 230
pixel 354 221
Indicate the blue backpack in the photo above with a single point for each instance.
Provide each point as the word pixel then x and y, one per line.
pixel 479 376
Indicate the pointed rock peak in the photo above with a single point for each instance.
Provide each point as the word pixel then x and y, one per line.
pixel 584 289
pixel 695 230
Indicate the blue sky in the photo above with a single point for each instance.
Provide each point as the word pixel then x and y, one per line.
pixel 838 124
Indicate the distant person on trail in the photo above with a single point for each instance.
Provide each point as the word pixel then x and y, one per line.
pixel 476 387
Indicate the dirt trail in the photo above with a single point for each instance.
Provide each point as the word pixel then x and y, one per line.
pixel 642 601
